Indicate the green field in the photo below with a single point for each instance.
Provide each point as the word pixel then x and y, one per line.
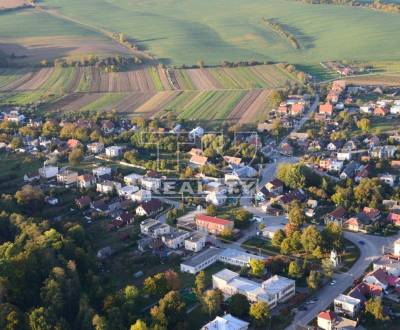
pixel 184 32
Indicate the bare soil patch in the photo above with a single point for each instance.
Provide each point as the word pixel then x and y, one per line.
pixel 257 106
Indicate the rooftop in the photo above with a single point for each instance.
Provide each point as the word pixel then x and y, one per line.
pixel 277 283
pixel 347 299
pixel 201 257
pixel 218 221
pixel 226 322
pixel 239 255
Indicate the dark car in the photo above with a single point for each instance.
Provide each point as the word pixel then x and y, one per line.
pixel 361 242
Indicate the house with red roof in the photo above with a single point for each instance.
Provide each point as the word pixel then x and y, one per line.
pixel 337 216
pixel 380 112
pixel 326 109
pixel 198 161
pixel 394 218
pixel 364 291
pixel 297 109
pixel 213 225
pixel 378 277
pixel 326 320
pixel 372 213
pixel 73 143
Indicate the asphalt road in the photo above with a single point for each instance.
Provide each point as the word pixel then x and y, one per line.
pixel 370 251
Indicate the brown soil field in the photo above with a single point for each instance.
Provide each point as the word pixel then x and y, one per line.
pixel 15 84
pixel 245 103
pixel 74 102
pixel 255 108
pixel 164 79
pixel 202 79
pixel 37 80
pixel 384 80
pixel 172 78
pixel 9 4
pixel 156 103
pixel 36 49
pixel 131 102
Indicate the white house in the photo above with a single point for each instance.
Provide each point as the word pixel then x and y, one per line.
pixel 347 305
pixel 269 231
pixel 141 196
pixel 387 178
pixel 237 257
pixel 226 322
pixel 48 172
pixel 127 191
pixel 15 117
pixel 335 166
pixel 67 177
pixel 389 264
pixel 114 151
pixel 95 147
pixel 86 181
pixel 176 239
pixel 150 183
pixel 343 155
pixel 366 109
pixel 200 261
pixel 395 110
pixel 196 132
pixel 101 171
pixel 107 186
pixel 196 242
pixel 154 228
pixel 216 198
pixel 132 179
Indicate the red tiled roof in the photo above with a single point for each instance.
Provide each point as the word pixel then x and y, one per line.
pixel 381 275
pixel 198 160
pixel 394 217
pixel 296 108
pixel 218 221
pixel 371 212
pixel 339 213
pixel 327 315
pixel 326 108
pixel 73 143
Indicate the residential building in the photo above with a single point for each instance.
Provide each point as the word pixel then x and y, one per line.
pixel 396 250
pixel 337 216
pixel 195 242
pixel 383 152
pixel 335 166
pixel 95 147
pixel 347 305
pixel 141 196
pixel 196 133
pixel 101 171
pixel 197 161
pixel 114 151
pixel 226 322
pixel 270 230
pixel 107 187
pixel 387 178
pixel 86 181
pixel 349 171
pixel 272 291
pixel 213 225
pixel 389 263
pixel 149 208
pixel 195 152
pixel 216 198
pixel 31 177
pixel 326 109
pixel 67 177
pixel 48 172
pixel 275 186
pixel 238 257
pixel 395 110
pixel 378 277
pixel 394 218
pixel 123 219
pixel 127 191
pixel 150 183
pixel 132 179
pixel 343 155
pixel 235 161
pixel 200 261
pixel 154 228
pixel 176 239
pixel 83 202
pixel 326 320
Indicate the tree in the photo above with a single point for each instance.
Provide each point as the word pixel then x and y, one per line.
pixel 368 192
pixel 212 301
pixel 139 325
pixel 238 305
pixel 285 246
pixel 29 196
pixel 257 267
pixel 156 285
pixel 327 268
pixel 276 98
pixel 295 241
pixel 278 237
pixel 342 196
pixel 333 236
pixel 291 175
pixel 241 217
pixel 50 129
pixel 99 322
pixel 313 280
pixel 374 309
pixel 75 156
pixel 363 124
pixel 260 313
pixel 227 234
pixel 311 238
pixel 39 319
pixel 170 311
pixel 294 270
pixel 173 280
pixel 296 214
pixel 200 283
pixel 211 210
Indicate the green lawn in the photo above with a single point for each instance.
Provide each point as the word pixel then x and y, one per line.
pixel 352 253
pixel 184 32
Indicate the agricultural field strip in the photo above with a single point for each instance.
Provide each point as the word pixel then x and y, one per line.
pixel 152 79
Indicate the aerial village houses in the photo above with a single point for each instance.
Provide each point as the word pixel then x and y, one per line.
pixel 213 225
